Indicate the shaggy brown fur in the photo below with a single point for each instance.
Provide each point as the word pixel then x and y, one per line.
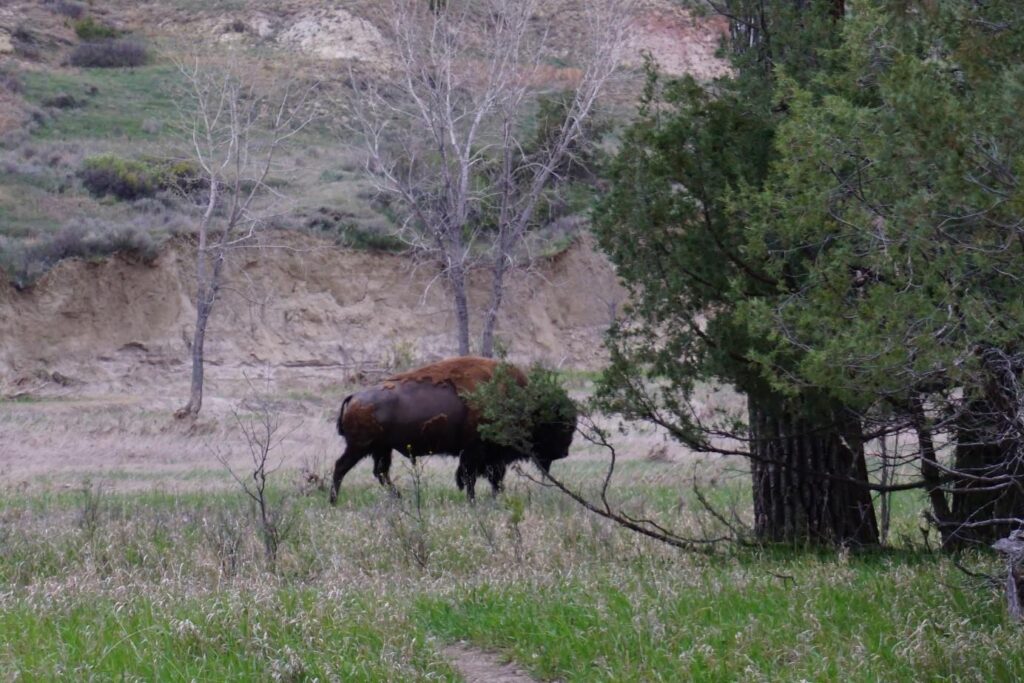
pixel 464 373
pixel 358 419
pixel 426 412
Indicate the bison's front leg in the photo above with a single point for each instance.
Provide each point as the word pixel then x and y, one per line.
pixel 346 462
pixel 496 475
pixel 465 478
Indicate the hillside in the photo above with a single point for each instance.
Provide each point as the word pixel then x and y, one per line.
pixel 311 301
pixel 299 304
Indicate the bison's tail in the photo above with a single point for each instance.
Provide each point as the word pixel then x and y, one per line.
pixel 341 414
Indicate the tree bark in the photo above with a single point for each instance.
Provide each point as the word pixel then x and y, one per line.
pixel 206 294
pixel 457 279
pixel 491 318
pixel 805 477
pixel 930 470
pixel 982 452
pixel 195 401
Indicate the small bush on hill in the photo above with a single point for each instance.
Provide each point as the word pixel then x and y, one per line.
pixel 109 54
pixel 90 30
pixel 25 43
pixel 181 177
pixel 127 179
pixel 63 100
pixel 23 34
pixel 11 83
pixel 65 8
pixel 122 178
pixel 339 227
pixel 24 263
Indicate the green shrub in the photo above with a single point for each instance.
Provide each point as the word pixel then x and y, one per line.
pixel 109 54
pixel 123 178
pixel 67 8
pixel 11 83
pixel 127 179
pixel 347 233
pixel 90 30
pixel 182 177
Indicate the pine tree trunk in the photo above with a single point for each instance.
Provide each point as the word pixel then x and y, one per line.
pixel 982 452
pixel 799 465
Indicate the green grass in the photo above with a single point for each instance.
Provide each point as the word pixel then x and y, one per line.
pixel 21 212
pixel 175 586
pixel 876 618
pixel 124 99
pixel 284 634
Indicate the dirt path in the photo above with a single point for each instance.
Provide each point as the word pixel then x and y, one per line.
pixel 477 666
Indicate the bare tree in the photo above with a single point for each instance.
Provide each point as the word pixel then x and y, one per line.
pixel 444 135
pixel 235 131
pixel 260 425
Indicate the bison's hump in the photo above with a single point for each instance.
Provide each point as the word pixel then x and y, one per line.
pixel 465 373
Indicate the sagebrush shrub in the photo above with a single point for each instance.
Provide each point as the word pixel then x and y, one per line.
pixel 25 263
pixel 128 179
pixel 345 232
pixel 11 83
pixel 90 30
pixel 66 8
pixel 123 178
pixel 109 54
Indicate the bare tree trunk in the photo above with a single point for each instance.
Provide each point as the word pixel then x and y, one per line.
pixel 491 318
pixel 805 479
pixel 234 137
pixel 203 307
pixel 195 401
pixel 206 295
pixel 457 279
pixel 503 255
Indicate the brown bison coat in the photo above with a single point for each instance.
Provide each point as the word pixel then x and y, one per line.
pixel 422 412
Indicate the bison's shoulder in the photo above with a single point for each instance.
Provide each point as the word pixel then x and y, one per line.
pixel 464 373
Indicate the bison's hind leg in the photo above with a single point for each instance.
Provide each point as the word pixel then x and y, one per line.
pixel 382 470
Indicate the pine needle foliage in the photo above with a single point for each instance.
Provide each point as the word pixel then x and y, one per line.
pixel 510 412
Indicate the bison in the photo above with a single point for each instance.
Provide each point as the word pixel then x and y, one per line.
pixel 424 412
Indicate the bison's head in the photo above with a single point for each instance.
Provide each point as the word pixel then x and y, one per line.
pixel 552 435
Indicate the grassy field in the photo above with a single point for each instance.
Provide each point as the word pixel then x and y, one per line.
pixel 98 582
pixel 113 104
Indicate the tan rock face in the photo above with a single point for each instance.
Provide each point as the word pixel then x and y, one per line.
pixel 6 46
pixel 308 305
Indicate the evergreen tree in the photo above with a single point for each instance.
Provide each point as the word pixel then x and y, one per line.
pixel 894 215
pixel 672 225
